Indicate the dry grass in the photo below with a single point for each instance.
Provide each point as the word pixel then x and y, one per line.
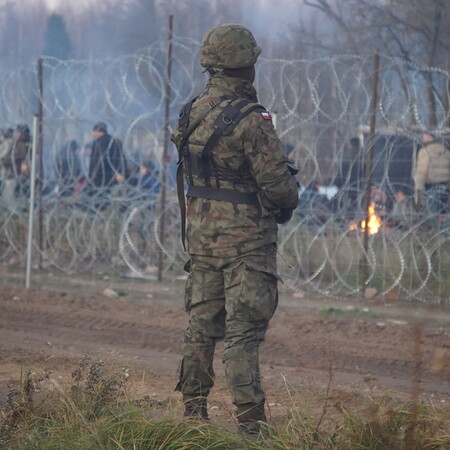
pixel 95 411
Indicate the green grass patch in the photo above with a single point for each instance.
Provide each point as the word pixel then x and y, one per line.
pixel 94 411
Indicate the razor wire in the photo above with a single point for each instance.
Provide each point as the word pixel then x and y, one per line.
pixel 321 111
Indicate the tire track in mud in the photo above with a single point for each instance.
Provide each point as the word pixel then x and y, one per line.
pixel 314 357
pixel 68 328
pixel 106 330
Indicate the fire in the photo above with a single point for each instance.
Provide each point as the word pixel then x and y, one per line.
pixel 374 222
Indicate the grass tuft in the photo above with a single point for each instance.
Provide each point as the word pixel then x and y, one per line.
pixel 94 412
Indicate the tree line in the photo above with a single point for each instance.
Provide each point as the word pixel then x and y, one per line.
pixel 414 30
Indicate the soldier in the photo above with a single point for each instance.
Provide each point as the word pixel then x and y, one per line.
pixel 239 188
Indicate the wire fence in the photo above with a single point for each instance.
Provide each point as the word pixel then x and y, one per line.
pixel 321 109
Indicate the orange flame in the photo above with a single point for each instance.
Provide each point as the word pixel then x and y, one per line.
pixel 374 223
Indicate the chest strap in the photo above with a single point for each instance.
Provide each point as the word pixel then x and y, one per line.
pixel 186 128
pixel 224 124
pixel 225 195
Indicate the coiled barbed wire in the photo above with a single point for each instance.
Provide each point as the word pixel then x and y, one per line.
pixel 320 106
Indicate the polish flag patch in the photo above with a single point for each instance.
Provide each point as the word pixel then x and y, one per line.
pixel 266 115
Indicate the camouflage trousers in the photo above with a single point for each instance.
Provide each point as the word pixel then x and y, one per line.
pixel 231 299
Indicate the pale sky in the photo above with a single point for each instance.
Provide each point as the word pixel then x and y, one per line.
pixel 278 7
pixel 280 10
pixel 53 4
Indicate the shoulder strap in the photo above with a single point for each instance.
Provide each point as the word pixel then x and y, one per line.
pixel 183 118
pixel 225 123
pixel 186 130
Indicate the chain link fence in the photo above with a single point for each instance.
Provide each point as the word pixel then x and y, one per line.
pixel 321 110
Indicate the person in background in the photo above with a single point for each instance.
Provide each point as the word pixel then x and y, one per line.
pixel 18 153
pixel 432 176
pixel 314 206
pixel 107 165
pixel 6 139
pixel 145 181
pixel 68 168
pixel 403 214
pixel 23 185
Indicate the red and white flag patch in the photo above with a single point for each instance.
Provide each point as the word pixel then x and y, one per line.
pixel 266 115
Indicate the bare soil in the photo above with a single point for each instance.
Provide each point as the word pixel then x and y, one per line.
pixel 316 352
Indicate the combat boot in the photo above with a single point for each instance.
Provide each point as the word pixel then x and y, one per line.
pixel 251 419
pixel 196 408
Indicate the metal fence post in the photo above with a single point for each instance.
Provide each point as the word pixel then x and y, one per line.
pixel 369 165
pixel 39 153
pixel 165 148
pixel 32 196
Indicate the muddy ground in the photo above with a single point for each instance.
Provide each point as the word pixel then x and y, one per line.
pixel 317 351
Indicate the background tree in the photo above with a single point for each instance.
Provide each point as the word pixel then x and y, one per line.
pixel 140 24
pixel 415 30
pixel 57 41
pixel 21 32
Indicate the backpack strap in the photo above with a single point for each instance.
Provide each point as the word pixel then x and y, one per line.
pixel 224 125
pixel 186 129
pixel 225 195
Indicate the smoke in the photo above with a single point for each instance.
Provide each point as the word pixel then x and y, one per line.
pixel 271 18
pixel 112 28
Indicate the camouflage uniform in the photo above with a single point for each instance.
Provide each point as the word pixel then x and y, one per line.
pixel 231 291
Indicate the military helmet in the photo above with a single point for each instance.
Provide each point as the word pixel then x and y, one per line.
pixel 229 46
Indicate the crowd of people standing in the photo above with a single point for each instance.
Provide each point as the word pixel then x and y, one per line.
pixel 95 171
pixel 108 169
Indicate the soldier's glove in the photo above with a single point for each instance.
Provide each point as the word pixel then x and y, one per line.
pixel 284 215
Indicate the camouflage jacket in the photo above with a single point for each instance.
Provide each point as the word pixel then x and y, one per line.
pixel 254 157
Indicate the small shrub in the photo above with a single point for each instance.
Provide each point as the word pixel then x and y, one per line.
pixel 93 412
pixel 412 426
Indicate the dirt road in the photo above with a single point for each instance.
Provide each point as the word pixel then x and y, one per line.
pixel 366 349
